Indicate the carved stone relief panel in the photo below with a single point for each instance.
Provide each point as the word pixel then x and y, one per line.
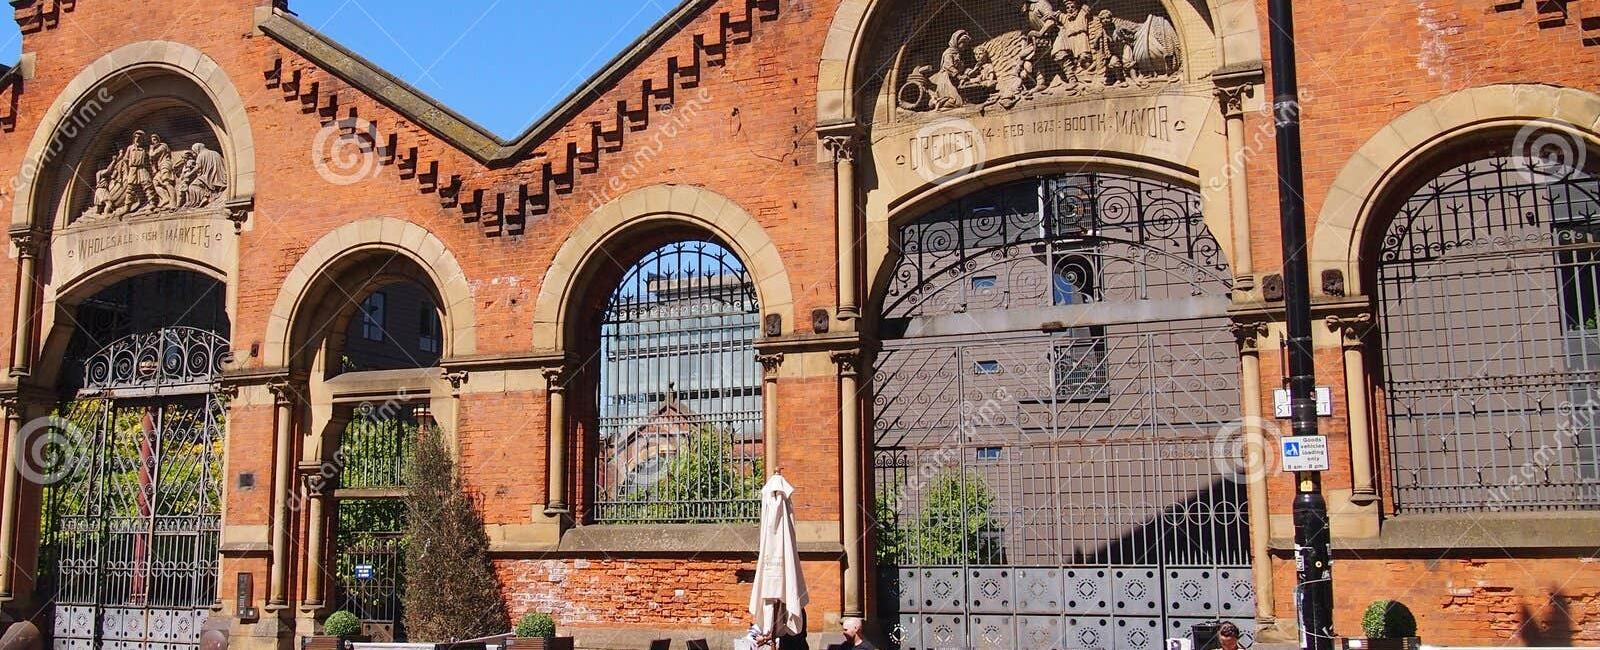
pixel 167 161
pixel 971 55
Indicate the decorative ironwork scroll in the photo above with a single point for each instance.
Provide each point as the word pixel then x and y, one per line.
pixel 173 357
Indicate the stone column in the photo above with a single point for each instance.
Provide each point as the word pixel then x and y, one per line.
pixel 843 148
pixel 769 408
pixel 1255 459
pixel 9 505
pixel 315 490
pixel 283 489
pixel 849 362
pixel 556 427
pixel 1352 331
pixel 1232 99
pixel 28 242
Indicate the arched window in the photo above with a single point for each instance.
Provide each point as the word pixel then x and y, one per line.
pixel 1488 292
pixel 679 397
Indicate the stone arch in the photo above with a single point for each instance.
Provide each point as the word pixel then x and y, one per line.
pixel 58 329
pixel 1378 169
pixel 1237 42
pixel 377 234
pixel 127 62
pixel 659 206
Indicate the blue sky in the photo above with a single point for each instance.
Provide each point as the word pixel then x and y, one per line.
pixel 502 63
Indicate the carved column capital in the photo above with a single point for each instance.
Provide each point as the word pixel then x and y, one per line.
pixel 455 377
pixel 239 212
pixel 770 363
pixel 1248 335
pixel 283 392
pixel 843 147
pixel 555 378
pixel 29 242
pixel 1352 328
pixel 849 362
pixel 1232 97
pixel 314 482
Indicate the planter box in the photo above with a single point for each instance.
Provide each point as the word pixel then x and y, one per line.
pixel 1403 643
pixel 539 643
pixel 323 642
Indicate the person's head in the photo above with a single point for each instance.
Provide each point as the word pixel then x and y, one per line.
pixel 852 627
pixel 1228 633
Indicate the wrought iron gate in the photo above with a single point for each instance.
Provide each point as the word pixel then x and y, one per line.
pixel 1051 408
pixel 132 527
pixel 370 541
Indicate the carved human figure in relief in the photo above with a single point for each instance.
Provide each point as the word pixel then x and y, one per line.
pixel 147 175
pixel 141 186
pixel 203 177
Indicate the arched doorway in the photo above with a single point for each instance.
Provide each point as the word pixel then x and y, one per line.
pixel 132 513
pixel 1056 370
pixel 1488 292
pixel 387 328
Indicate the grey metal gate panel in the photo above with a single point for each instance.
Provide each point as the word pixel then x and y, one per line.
pixel 1488 296
pixel 1056 371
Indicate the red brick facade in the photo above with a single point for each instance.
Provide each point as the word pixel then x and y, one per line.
pixel 732 102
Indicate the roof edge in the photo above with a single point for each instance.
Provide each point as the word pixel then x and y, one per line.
pixel 456 129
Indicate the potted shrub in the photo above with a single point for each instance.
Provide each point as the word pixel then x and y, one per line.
pixel 339 630
pixel 537 631
pixel 1389 625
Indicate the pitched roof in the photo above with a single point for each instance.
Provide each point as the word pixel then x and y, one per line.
pixel 456 129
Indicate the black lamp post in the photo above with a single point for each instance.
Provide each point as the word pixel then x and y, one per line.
pixel 1313 571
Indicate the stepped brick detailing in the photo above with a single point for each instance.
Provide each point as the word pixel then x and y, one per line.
pixel 503 190
pixel 39 15
pixel 1556 14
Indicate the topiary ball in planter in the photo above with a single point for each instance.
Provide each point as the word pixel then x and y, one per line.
pixel 537 631
pixel 339 628
pixel 1389 625
pixel 341 623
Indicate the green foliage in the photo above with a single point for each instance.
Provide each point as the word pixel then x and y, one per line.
pixel 955 526
pixel 189 481
pixel 451 590
pixel 702 483
pixel 374 447
pixel 536 625
pixel 341 623
pixel 1388 619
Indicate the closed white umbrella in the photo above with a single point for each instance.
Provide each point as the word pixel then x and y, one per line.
pixel 778 597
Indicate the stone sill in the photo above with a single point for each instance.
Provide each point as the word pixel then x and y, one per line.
pixel 664 540
pixel 1567 531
